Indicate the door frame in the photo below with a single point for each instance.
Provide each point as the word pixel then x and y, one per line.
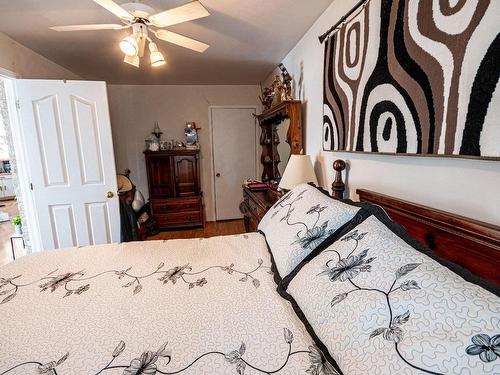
pixel 212 154
pixel 23 175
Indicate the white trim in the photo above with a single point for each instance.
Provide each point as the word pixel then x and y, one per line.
pixel 212 162
pixel 212 158
pixel 5 73
pixel 23 173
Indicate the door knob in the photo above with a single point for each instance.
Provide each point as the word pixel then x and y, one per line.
pixel 217 175
pixel 110 194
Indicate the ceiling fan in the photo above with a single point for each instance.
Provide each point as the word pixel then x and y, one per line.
pixel 143 19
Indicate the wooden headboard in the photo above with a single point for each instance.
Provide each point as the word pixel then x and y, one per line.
pixel 473 244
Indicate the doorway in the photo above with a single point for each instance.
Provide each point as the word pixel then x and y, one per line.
pixel 234 150
pixel 13 240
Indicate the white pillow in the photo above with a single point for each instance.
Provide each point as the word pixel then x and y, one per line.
pixel 382 307
pixel 300 221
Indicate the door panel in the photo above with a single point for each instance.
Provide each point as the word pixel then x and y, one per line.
pixel 72 168
pixel 63 225
pixel 186 175
pixel 87 140
pixel 235 159
pixel 98 222
pixel 49 132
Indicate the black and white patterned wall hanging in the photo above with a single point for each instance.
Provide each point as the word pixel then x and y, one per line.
pixel 415 77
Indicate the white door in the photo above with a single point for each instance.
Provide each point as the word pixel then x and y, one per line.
pixel 235 159
pixel 67 138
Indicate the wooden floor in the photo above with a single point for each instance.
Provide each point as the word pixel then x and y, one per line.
pixel 7 230
pixel 212 228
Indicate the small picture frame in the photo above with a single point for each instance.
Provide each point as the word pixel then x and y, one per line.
pixel 169 144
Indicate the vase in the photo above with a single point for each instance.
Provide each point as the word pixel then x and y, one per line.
pixel 18 230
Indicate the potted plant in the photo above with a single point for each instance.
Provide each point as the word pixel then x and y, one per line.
pixel 17 225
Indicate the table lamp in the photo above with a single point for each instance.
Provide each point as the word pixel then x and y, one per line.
pixel 298 170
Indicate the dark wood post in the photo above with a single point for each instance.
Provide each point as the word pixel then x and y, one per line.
pixel 338 185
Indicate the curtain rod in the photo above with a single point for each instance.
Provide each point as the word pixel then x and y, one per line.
pixel 331 29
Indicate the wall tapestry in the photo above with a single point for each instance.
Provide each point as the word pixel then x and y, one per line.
pixel 415 77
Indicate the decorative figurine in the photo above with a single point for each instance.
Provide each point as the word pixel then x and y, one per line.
pixel 287 83
pixel 191 133
pixel 280 90
pixel 267 97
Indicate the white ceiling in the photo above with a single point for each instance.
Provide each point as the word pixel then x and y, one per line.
pixel 248 39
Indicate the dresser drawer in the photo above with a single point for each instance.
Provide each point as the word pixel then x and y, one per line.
pixel 179 219
pixel 254 206
pixel 256 209
pixel 175 205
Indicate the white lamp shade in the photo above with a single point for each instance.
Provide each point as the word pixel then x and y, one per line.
pixel 129 46
pixel 157 59
pixel 299 170
pixel 132 60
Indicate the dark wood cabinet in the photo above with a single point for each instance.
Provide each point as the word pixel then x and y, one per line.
pixel 255 205
pixel 174 188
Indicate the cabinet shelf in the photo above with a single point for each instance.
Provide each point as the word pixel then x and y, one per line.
pixel 268 121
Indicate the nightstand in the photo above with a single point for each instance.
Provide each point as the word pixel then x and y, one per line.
pixel 255 205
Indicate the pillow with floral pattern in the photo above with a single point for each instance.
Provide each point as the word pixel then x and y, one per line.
pixel 300 222
pixel 382 307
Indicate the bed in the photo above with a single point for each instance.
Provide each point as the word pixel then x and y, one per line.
pixel 176 306
pixel 199 306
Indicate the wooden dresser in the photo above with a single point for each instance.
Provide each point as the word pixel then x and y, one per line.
pixel 255 205
pixel 174 188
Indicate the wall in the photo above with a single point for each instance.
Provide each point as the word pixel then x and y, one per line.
pixel 134 109
pixel 466 187
pixel 26 63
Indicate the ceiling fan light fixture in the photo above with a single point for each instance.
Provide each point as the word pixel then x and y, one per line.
pixel 129 46
pixel 142 20
pixel 157 58
pixel 132 60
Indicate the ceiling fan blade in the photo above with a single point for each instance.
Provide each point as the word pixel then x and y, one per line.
pixel 181 40
pixel 104 26
pixel 115 9
pixel 188 12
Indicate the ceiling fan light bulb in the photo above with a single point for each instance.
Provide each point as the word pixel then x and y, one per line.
pixel 153 47
pixel 129 46
pixel 132 60
pixel 157 59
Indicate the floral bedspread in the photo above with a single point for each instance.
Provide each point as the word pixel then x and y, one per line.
pixel 200 306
